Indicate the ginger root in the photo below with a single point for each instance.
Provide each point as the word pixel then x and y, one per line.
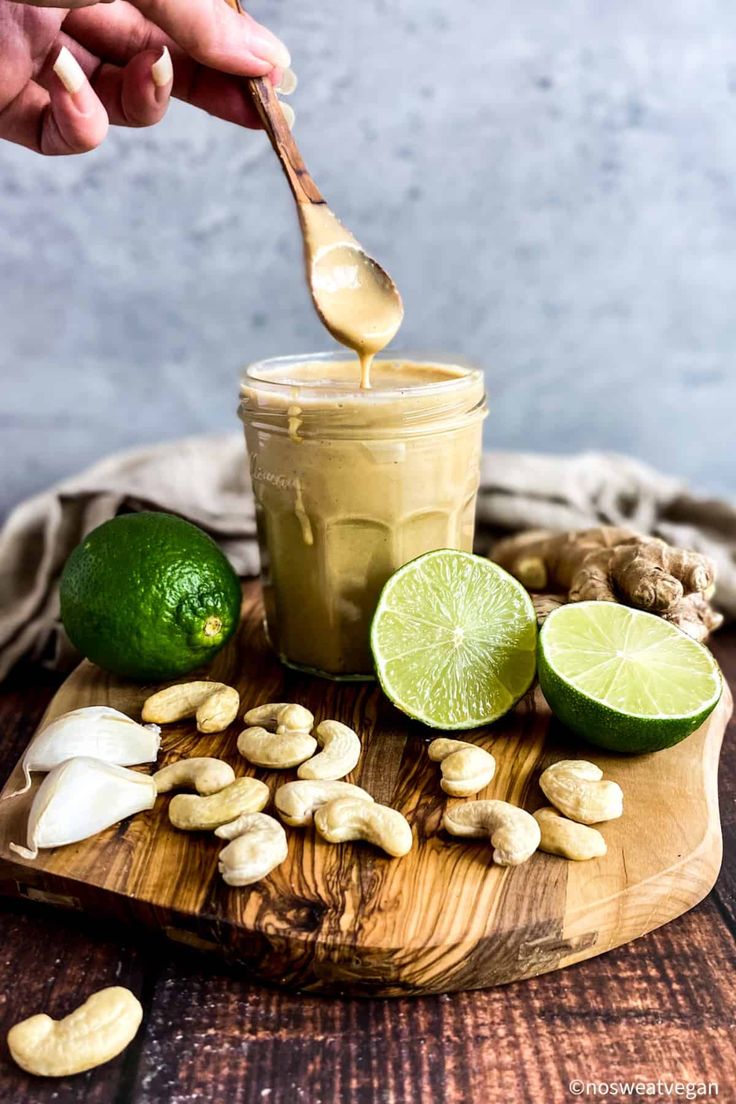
pixel 609 564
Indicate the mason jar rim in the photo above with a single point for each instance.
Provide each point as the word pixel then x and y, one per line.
pixel 297 409
pixel 261 372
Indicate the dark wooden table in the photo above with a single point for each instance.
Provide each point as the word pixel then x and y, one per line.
pixel 661 1008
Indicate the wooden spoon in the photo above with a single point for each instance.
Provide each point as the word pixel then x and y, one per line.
pixel 354 296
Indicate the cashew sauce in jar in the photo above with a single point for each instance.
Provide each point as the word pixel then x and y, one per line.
pixel 350 484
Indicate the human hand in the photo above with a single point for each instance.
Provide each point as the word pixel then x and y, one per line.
pixel 67 73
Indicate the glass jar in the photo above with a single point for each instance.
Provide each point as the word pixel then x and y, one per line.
pixel 349 485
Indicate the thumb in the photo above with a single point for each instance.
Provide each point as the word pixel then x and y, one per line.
pixel 215 35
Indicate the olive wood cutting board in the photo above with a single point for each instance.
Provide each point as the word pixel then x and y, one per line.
pixel 346 919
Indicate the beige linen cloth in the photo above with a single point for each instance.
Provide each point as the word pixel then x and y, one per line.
pixel 205 479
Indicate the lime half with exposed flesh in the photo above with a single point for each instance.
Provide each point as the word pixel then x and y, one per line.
pixel 624 679
pixel 454 640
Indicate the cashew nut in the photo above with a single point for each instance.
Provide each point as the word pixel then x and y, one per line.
pixel 351 818
pixel 219 710
pixel 258 846
pixel 280 716
pixel 214 704
pixel 296 801
pixel 466 768
pixel 514 833
pixel 200 773
pixel 340 752
pixel 561 836
pixel 278 750
pixel 94 1033
pixel 577 789
pixel 199 814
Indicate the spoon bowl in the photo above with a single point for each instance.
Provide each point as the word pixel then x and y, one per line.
pixel 353 294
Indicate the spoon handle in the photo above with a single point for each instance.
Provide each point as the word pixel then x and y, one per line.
pixel 281 138
pixel 267 102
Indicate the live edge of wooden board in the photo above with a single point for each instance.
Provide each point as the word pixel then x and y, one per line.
pixel 346 920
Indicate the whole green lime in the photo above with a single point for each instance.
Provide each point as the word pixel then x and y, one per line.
pixel 149 596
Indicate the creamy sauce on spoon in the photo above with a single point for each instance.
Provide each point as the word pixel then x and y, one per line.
pixel 356 299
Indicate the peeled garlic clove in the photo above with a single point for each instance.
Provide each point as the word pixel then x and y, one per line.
pixel 80 798
pixel 95 730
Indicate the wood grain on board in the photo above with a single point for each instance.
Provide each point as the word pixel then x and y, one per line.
pixel 346 919
pixel 661 1006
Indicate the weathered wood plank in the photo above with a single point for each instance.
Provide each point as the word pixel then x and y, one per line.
pixel 661 1007
pixel 51 962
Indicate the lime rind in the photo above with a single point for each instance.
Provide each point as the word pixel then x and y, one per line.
pixel 454 640
pixel 149 596
pixel 657 650
pixel 625 679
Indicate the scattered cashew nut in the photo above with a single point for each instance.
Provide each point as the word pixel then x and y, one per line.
pixel 340 753
pixel 200 814
pixel 466 768
pixel 567 838
pixel 577 789
pixel 219 710
pixel 296 802
pixel 514 833
pixel 94 1033
pixel 278 750
pixel 258 846
pixel 200 773
pixel 214 705
pixel 280 717
pixel 350 818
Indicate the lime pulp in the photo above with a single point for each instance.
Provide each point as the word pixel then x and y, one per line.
pixel 624 679
pixel 453 640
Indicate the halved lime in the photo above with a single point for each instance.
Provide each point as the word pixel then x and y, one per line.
pixel 454 640
pixel 625 679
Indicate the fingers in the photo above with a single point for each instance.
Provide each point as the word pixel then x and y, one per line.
pixel 137 95
pixel 61 3
pixel 22 118
pixel 71 115
pixel 61 112
pixel 63 119
pixel 119 32
pixel 216 93
pixel 75 121
pixel 218 37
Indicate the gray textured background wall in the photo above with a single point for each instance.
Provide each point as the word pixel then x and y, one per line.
pixel 552 183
